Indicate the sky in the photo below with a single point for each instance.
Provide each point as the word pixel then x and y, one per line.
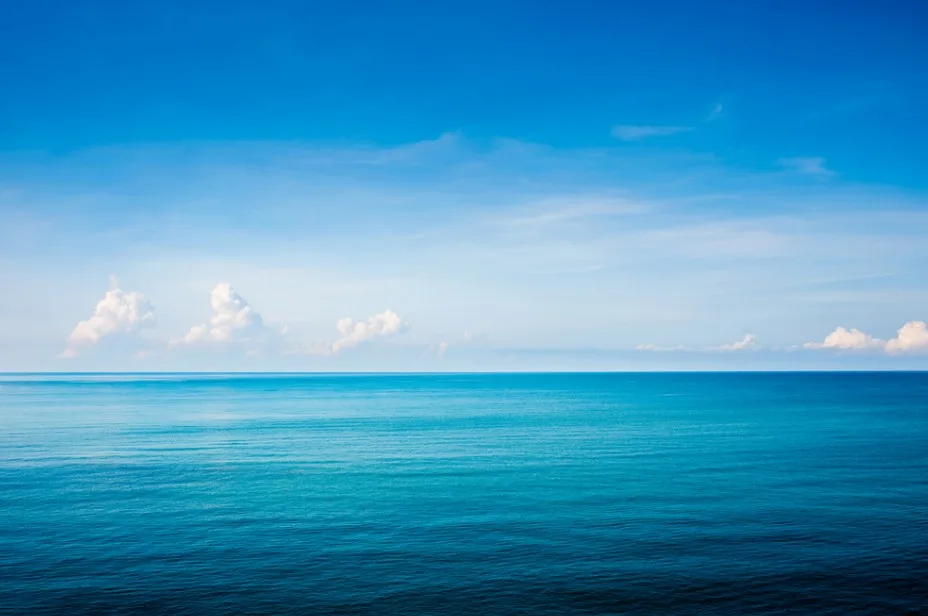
pixel 451 186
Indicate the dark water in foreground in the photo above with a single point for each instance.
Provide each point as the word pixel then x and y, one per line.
pixel 467 494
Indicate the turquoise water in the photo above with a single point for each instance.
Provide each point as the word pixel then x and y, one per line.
pixel 465 494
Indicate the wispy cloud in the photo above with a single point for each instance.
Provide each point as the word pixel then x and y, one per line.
pixel 656 348
pixel 809 165
pixel 748 343
pixel 507 238
pixel 636 132
pixel 567 210
pixel 445 345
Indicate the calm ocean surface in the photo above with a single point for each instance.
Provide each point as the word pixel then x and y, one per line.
pixel 465 494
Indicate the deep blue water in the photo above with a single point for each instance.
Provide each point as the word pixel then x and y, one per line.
pixel 465 494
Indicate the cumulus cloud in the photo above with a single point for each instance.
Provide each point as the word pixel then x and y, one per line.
pixel 381 325
pixel 810 165
pixel 847 339
pixel 748 343
pixel 236 323
pixel 118 312
pixel 233 320
pixel 631 132
pixel 911 337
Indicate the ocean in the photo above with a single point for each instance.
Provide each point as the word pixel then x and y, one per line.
pixel 535 494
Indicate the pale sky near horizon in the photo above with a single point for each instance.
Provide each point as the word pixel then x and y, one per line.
pixel 479 186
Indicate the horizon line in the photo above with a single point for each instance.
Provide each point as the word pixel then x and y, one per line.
pixel 456 372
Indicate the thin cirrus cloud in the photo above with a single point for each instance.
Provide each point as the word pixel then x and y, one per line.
pixel 808 165
pixel 912 337
pixel 119 312
pixel 636 132
pixel 660 349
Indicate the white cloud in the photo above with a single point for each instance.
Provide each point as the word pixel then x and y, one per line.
pixel 749 342
pixel 852 339
pixel 716 113
pixel 558 212
pixel 660 349
pixel 810 165
pixel 911 337
pixel 118 312
pixel 234 320
pixel 444 346
pixel 381 325
pixel 630 132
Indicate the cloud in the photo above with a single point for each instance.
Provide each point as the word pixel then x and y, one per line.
pixel 562 211
pixel 811 165
pixel 234 320
pixel 118 312
pixel 630 132
pixel 852 339
pixel 911 337
pixel 660 349
pixel 748 343
pixel 381 325
pixel 716 113
pixel 444 346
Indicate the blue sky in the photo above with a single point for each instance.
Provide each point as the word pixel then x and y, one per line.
pixel 506 185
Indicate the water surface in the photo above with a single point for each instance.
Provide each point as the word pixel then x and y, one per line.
pixel 465 494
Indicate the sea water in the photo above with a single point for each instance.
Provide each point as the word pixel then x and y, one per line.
pixel 777 493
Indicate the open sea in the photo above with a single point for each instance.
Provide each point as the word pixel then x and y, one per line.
pixel 535 494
